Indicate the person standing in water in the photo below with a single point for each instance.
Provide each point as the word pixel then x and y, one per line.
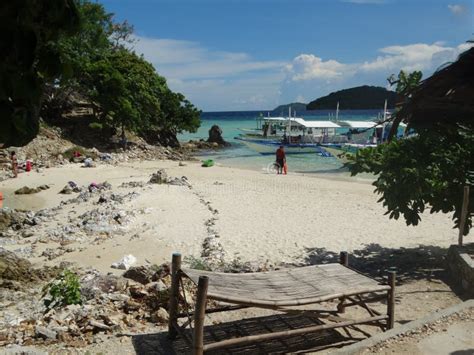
pixel 14 163
pixel 280 159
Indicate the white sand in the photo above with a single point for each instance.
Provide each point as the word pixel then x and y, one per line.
pixel 260 216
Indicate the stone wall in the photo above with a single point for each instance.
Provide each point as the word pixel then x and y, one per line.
pixel 461 266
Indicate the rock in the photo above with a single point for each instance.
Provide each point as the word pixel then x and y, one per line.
pixel 215 136
pixel 14 268
pixel 45 333
pixel 160 316
pixel 131 306
pixel 99 325
pixel 157 286
pixel 125 263
pixel 160 177
pixel 66 190
pixel 181 164
pixel 25 190
pixel 5 219
pixel 140 274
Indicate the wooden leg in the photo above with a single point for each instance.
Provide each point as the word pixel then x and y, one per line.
pixel 199 314
pixel 343 260
pixel 391 299
pixel 174 294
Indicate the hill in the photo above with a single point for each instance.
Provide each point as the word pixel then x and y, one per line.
pixel 357 98
pixel 282 110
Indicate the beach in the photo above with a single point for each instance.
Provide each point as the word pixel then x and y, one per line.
pixel 257 216
pixel 247 220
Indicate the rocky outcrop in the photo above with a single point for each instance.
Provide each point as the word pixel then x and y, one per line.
pixel 215 136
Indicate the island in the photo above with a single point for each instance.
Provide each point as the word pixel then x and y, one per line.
pixel 356 98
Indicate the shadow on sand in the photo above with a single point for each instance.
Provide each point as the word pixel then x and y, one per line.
pixel 160 344
pixel 425 262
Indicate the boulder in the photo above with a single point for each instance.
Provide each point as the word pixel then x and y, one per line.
pixel 215 136
pixel 140 274
pixel 14 268
pixel 160 316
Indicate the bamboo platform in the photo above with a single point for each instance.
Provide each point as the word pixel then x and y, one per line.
pixel 282 291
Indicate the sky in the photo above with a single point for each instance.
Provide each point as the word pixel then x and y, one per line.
pixel 230 55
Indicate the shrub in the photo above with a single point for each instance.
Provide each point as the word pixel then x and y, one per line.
pixel 96 126
pixel 197 264
pixel 62 291
pixel 69 154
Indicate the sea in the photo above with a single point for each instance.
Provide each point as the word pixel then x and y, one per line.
pixel 240 156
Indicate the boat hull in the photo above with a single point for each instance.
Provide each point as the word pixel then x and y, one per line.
pixel 270 147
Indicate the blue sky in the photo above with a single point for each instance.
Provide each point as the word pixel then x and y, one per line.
pixel 257 54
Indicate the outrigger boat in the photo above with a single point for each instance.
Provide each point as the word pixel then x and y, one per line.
pixel 327 138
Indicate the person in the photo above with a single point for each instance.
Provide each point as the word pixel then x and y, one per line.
pixel 14 163
pixel 280 158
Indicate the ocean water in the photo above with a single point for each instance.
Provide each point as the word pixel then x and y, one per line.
pixel 240 156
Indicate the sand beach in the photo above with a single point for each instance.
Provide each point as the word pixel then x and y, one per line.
pixel 257 216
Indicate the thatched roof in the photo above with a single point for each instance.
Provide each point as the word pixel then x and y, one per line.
pixel 446 98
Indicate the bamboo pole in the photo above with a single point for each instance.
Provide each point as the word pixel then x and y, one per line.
pixel 198 333
pixel 462 221
pixel 392 275
pixel 174 292
pixel 287 333
pixel 343 260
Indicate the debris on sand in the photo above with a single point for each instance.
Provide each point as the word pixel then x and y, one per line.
pixel 125 262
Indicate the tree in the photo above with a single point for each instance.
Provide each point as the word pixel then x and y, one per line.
pixel 126 90
pixel 29 33
pixel 430 168
pixel 405 84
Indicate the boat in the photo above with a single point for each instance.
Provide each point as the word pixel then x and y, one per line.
pixel 297 135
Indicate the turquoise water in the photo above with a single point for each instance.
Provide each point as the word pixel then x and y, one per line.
pixel 239 155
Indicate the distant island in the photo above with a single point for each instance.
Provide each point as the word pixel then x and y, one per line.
pixel 282 110
pixel 357 98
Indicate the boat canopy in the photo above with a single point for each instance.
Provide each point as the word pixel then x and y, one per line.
pixel 359 124
pixel 302 122
pixel 320 124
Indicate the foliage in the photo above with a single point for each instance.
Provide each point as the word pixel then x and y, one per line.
pixel 69 153
pixel 361 97
pixel 197 263
pixel 429 169
pixel 405 83
pixel 126 90
pixel 96 125
pixel 62 291
pixel 29 34
pixel 426 170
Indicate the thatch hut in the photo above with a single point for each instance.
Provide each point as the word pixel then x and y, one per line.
pixel 446 99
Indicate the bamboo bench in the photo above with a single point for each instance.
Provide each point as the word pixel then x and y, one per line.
pixel 280 291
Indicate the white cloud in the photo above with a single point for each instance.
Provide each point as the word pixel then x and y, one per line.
pixel 420 56
pixel 189 60
pixel 411 57
pixel 300 98
pixel 310 67
pixel 457 9
pixel 220 80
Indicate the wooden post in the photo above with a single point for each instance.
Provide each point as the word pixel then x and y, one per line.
pixel 174 294
pixel 462 221
pixel 343 260
pixel 392 276
pixel 199 314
